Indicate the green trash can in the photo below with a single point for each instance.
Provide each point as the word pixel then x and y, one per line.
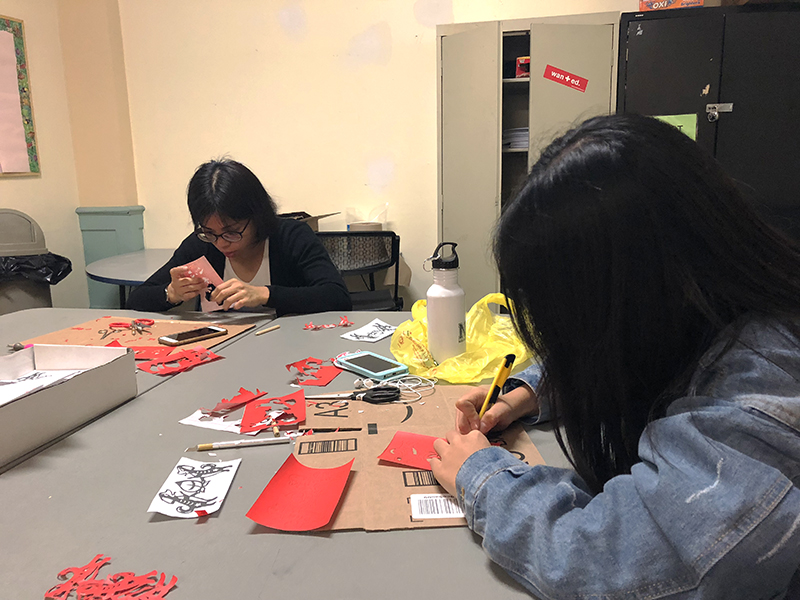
pixel 27 269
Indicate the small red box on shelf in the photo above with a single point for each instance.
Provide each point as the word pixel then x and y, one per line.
pixel 523 66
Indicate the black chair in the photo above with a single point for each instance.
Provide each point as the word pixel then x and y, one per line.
pixel 365 253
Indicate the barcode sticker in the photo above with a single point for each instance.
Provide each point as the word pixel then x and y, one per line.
pixel 434 506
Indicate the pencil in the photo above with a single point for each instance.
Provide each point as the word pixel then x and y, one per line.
pixel 238 444
pixel 497 385
pixel 268 329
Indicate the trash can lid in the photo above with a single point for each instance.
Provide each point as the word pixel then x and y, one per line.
pixel 20 235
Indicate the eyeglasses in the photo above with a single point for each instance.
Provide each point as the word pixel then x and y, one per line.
pixel 228 236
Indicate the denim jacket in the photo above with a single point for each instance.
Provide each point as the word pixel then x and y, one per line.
pixel 711 511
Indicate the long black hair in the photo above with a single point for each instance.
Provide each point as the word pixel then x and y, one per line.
pixel 625 253
pixel 229 189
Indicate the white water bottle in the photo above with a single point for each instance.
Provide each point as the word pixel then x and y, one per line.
pixel 447 315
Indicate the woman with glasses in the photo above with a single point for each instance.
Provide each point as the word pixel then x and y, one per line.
pixel 263 260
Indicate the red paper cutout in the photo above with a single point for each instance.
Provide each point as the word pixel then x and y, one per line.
pixel 299 498
pixel 256 414
pixel 203 269
pixel 144 352
pixel 343 322
pixel 178 361
pixel 410 450
pixel 312 372
pixel 228 406
pixel 83 582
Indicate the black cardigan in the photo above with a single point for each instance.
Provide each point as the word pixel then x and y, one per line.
pixel 304 280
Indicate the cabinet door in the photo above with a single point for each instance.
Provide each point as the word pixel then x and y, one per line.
pixel 759 142
pixel 585 52
pixel 673 68
pixel 470 152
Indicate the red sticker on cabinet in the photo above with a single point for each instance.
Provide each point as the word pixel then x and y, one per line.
pixel 565 78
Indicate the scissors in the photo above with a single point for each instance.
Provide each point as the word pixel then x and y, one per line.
pixel 381 394
pixel 139 326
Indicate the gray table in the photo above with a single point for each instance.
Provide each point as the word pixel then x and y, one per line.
pixel 88 494
pixel 130 269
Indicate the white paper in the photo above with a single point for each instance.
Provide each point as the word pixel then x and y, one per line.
pixel 30 382
pixel 372 332
pixel 224 423
pixel 194 486
pixel 434 506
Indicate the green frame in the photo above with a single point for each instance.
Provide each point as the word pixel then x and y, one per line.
pixel 14 26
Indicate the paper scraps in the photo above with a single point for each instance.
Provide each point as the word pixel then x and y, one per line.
pixel 202 268
pixel 194 488
pixel 82 582
pixel 228 423
pixel 410 450
pixel 224 406
pixel 312 371
pixel 374 331
pixel 282 411
pixel 343 322
pixel 178 362
pixel 299 498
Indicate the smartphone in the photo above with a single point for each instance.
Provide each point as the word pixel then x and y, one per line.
pixel 192 335
pixel 371 365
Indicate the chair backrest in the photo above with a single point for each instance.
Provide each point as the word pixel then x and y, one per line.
pixel 363 253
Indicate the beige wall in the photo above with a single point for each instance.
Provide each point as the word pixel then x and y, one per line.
pixel 52 197
pixel 332 104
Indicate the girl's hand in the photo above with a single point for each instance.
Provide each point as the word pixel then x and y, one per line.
pixel 517 403
pixel 183 285
pixel 238 294
pixel 453 451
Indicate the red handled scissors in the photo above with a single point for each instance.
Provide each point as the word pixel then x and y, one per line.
pixel 139 326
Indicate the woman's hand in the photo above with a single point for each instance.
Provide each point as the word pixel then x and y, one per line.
pixel 517 403
pixel 184 286
pixel 453 451
pixel 238 294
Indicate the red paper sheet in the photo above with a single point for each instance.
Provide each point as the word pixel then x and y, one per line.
pixel 410 450
pixel 203 269
pixel 144 352
pixel 313 372
pixel 82 582
pixel 299 498
pixel 178 361
pixel 256 418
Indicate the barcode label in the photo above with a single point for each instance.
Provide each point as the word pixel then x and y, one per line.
pixel 419 478
pixel 327 446
pixel 434 506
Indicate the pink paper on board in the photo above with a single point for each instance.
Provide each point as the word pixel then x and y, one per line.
pixel 224 406
pixel 256 414
pixel 313 372
pixel 410 450
pixel 82 582
pixel 178 362
pixel 203 269
pixel 299 498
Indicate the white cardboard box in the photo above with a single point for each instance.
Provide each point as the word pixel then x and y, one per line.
pixel 32 420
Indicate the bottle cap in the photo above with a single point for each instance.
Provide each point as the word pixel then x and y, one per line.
pixel 438 261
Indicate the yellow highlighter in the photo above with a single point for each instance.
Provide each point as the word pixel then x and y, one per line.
pixel 497 385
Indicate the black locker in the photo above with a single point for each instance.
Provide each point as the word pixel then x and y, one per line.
pixel 680 61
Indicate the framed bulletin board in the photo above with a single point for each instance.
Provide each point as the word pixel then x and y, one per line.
pixel 18 152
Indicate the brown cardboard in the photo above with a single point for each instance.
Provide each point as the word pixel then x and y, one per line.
pixel 313 221
pixel 31 421
pixel 88 334
pixel 377 494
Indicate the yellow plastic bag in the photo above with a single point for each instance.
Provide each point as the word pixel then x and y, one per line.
pixel 489 338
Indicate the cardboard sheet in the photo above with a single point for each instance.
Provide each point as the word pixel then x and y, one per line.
pixel 98 333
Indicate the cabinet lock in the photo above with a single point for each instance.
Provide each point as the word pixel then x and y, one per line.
pixel 713 110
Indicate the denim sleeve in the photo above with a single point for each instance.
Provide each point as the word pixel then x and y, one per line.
pixel 530 377
pixel 704 515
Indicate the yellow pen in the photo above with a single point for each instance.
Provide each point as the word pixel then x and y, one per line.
pixel 497 385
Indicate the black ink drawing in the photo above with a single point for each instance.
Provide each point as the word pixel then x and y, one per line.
pixel 195 483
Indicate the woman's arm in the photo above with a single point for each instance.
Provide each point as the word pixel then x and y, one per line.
pixel 304 278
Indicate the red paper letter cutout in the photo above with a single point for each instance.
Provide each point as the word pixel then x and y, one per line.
pixel 178 362
pixel 410 450
pixel 256 414
pixel 312 372
pixel 299 498
pixel 227 406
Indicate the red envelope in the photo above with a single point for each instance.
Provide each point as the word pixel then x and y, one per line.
pixel 410 450
pixel 299 498
pixel 255 413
